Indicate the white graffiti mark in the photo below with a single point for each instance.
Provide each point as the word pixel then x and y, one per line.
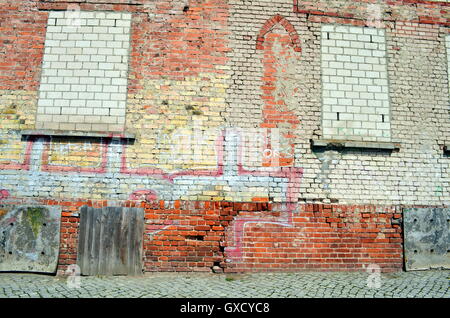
pixel 73 280
pixel 153 230
pixel 374 279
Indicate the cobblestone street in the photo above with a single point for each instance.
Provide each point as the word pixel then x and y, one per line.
pixel 297 285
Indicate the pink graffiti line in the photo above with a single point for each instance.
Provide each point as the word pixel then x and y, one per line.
pixel 144 195
pixel 4 194
pixel 160 173
pixel 294 176
pixel 25 165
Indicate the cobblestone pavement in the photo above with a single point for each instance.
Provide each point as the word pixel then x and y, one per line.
pixel 403 284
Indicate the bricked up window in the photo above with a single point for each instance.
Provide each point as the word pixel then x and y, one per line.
pixel 84 74
pixel 355 84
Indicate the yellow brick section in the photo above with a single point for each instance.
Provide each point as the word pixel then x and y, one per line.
pixel 177 123
pixel 17 111
pixel 75 154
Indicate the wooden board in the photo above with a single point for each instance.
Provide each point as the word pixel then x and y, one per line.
pixel 110 241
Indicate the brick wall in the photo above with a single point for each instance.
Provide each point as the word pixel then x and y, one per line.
pixel 243 237
pixel 223 98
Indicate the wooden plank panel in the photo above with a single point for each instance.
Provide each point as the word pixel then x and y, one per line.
pixel 93 234
pixel 84 240
pixel 110 241
pixel 102 214
pixel 123 243
pixel 131 237
pixel 138 241
pixel 82 237
pixel 115 241
pixel 90 237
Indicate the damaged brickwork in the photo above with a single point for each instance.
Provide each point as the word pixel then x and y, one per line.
pixel 214 140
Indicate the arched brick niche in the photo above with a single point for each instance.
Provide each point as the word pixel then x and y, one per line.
pixel 278 19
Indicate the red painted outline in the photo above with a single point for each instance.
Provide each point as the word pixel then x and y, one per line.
pixel 25 165
pixel 59 168
pixel 156 172
pixel 267 27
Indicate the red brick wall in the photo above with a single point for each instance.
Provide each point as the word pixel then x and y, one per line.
pixel 22 37
pixel 322 237
pixel 178 46
pixel 242 237
pixel 194 236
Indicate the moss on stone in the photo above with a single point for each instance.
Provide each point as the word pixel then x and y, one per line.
pixel 35 216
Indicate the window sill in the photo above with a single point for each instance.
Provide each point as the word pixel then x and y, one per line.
pixel 336 144
pixel 77 134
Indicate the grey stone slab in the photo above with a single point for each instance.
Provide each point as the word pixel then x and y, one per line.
pixel 427 239
pixel 29 238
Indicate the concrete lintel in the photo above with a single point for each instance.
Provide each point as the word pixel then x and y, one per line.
pixel 83 134
pixel 354 144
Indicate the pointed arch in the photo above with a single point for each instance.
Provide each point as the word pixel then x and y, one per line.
pixel 278 19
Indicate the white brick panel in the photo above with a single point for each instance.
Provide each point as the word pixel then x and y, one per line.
pixel 354 83
pixel 85 70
